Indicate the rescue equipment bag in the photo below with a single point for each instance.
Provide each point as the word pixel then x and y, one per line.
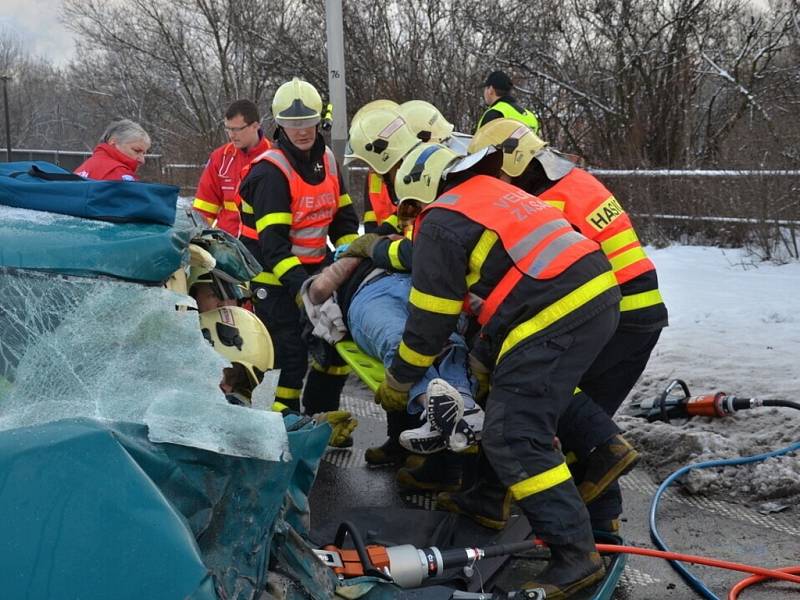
pixel 39 185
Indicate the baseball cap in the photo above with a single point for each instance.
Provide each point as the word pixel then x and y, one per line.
pixel 498 80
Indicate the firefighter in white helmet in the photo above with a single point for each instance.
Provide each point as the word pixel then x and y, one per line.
pixel 380 137
pixel 293 201
pixel 240 337
pixel 530 164
pixel 544 301
pixel 378 205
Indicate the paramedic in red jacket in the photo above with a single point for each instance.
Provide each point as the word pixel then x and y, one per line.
pixel 119 154
pixel 216 191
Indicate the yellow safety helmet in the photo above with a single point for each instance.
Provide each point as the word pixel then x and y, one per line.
pixel 381 138
pixel 297 104
pixel 380 103
pixel 239 336
pixel 520 145
pixel 426 121
pixel 422 171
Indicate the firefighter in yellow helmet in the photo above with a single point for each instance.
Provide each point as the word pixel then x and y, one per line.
pixel 378 205
pixel 293 201
pixel 529 163
pixel 380 136
pixel 370 106
pixel 239 336
pixel 426 121
pixel 545 302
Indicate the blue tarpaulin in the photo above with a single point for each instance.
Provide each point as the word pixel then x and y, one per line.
pixel 73 246
pixel 94 510
pixel 47 187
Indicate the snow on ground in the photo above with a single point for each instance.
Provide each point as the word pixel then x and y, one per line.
pixel 734 327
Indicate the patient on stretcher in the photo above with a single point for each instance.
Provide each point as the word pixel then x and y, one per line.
pixel 372 305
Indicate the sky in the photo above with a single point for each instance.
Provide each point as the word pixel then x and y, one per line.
pixel 37 24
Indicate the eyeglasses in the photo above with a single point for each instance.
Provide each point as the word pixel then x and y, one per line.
pixel 237 129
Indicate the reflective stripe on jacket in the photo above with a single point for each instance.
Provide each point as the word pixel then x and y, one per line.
pixel 381 206
pixel 216 196
pixel 596 213
pixel 312 207
pixel 537 238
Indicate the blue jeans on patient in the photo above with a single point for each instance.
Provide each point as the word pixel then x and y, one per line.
pixel 376 319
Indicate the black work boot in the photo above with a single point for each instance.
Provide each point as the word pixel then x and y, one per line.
pixel 604 465
pixel 388 453
pixel 439 473
pixel 487 503
pixel 606 525
pixel 571 567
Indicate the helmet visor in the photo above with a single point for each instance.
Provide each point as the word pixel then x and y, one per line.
pixel 470 160
pixel 297 123
pixel 555 166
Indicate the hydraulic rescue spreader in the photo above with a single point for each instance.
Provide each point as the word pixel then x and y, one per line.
pixel 672 406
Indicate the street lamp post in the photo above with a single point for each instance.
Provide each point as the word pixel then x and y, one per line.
pixel 336 76
pixel 5 79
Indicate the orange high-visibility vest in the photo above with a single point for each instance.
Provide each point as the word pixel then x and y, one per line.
pixel 379 198
pixel 536 236
pixel 590 207
pixel 313 207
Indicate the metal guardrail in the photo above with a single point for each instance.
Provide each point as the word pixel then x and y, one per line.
pixel 71 159
pixel 694 172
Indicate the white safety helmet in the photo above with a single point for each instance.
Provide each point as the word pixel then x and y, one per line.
pixel 297 104
pixel 422 171
pixel 381 138
pixel 426 121
pixel 239 336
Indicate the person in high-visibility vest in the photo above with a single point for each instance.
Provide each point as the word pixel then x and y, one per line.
pixel 215 197
pixel 429 125
pixel 501 104
pixel 593 210
pixel 381 137
pixel 378 205
pixel 293 200
pixel 544 300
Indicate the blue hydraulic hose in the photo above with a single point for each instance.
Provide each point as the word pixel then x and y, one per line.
pixel 695 583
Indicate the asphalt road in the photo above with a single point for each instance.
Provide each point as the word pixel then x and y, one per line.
pixel 711 527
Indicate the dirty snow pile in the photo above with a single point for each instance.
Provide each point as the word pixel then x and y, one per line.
pixel 734 327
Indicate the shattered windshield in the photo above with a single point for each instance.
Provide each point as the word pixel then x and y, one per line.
pixel 72 346
pixel 75 342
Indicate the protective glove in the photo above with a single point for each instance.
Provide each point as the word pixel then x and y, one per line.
pixel 482 375
pixel 391 394
pixel 343 424
pixel 362 246
pixel 337 254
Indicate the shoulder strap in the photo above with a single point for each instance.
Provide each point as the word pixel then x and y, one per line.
pixel 35 171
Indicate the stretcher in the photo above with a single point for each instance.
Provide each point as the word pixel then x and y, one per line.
pixel 369 370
